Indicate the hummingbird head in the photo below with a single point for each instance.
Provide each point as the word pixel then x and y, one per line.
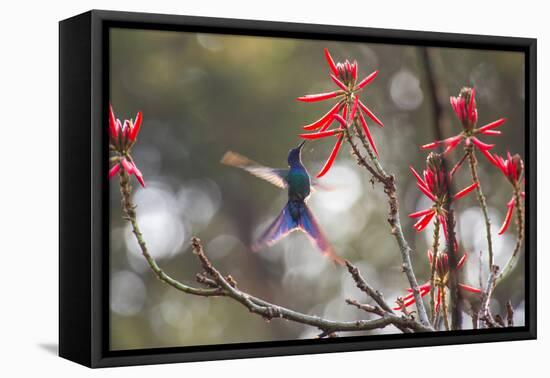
pixel 294 155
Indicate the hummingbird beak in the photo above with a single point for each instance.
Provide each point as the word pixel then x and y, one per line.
pixel 301 145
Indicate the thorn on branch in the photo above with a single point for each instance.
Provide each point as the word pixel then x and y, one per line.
pixel 509 314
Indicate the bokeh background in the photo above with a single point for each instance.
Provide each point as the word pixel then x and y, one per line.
pixel 204 94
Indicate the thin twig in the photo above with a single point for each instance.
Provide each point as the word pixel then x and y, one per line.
pixel 482 202
pixel 219 285
pixel 435 247
pixel 366 288
pixel 509 314
pixel 485 312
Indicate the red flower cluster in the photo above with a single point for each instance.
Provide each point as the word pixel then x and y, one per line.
pixel 464 106
pixel 122 137
pixel 512 169
pixel 344 75
pixel 435 185
pixel 441 281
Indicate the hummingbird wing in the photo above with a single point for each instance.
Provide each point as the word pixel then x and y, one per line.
pixel 317 185
pixel 277 230
pixel 273 175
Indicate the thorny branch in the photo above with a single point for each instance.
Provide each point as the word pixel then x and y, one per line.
pixel 485 312
pixel 482 201
pixel 388 181
pixel 219 285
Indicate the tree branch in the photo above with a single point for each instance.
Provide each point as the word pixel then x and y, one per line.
pixel 390 190
pixel 219 285
pixel 482 202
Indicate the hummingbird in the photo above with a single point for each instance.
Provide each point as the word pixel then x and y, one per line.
pixel 296 215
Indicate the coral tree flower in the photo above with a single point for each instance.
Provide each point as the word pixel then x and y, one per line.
pixel 441 281
pixel 434 183
pixel 512 168
pixel 464 106
pixel 122 137
pixel 344 76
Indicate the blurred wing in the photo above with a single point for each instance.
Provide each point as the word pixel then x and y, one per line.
pixel 278 229
pixel 316 185
pixel 273 175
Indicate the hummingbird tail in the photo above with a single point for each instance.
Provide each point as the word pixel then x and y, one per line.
pixel 309 225
pixel 297 216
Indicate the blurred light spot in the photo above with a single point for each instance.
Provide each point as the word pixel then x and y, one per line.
pixel 176 314
pixel 405 90
pixel 221 245
pixel 210 42
pixel 485 80
pixel 303 260
pixel 343 189
pixel 160 224
pixel 128 293
pixel 198 201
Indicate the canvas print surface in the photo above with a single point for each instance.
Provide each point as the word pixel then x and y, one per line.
pixel 267 189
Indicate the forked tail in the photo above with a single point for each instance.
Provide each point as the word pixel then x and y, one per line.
pixel 296 215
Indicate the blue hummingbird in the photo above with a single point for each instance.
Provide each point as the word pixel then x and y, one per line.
pixel 296 215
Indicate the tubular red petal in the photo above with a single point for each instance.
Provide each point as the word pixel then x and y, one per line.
pixel 370 114
pixel 426 192
pixel 489 157
pixel 114 170
pixel 429 146
pixel 331 158
pixel 417 176
pixel 452 146
pixel 354 108
pixel 112 123
pixel 469 288
pixel 320 134
pixel 423 222
pixel 129 167
pixel 338 82
pixel 138 175
pixel 472 110
pixel 492 125
pixel 341 119
pixel 330 62
pixel 507 220
pixel 421 213
pixel 462 261
pixel 482 146
pixel 465 191
pixel 324 119
pixel 367 133
pixel 135 128
pixel 354 70
pixel 367 80
pixel 319 96
pixel 491 132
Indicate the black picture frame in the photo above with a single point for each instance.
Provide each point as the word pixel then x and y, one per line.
pixel 83 196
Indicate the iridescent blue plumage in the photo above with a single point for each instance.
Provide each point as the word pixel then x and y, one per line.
pixel 295 216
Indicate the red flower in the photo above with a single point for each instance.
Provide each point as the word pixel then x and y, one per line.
pixel 442 269
pixel 512 168
pixel 122 137
pixel 435 185
pixel 344 75
pixel 464 106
